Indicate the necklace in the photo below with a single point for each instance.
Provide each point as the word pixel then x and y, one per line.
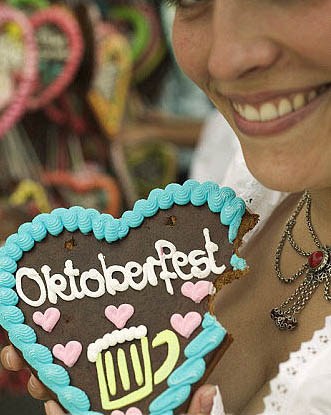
pixel 316 270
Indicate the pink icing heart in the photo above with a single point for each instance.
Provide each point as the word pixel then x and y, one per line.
pixel 47 320
pixel 185 326
pixel 198 291
pixel 119 316
pixel 133 411
pixel 68 354
pixel 130 411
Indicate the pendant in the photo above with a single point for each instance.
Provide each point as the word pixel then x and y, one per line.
pixel 283 320
pixel 317 262
pixel 319 271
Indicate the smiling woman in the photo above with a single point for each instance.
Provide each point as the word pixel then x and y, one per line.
pixel 266 65
pixel 270 78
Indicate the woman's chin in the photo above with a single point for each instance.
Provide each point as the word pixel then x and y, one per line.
pixel 288 174
pixel 292 182
pixel 277 179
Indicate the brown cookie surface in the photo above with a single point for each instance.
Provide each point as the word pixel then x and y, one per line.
pixel 122 317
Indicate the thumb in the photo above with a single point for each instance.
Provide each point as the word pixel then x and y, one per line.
pixel 52 408
pixel 202 401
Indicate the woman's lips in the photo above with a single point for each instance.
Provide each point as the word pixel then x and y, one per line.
pixel 275 126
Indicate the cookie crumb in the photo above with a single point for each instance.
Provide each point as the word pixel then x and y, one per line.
pixel 70 244
pixel 171 221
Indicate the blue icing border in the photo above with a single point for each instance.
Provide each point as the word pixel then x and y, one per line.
pixel 181 380
pixel 237 263
pixel 220 200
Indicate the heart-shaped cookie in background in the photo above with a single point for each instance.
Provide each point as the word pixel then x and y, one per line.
pixel 60 44
pixel 143 164
pixel 109 89
pixel 18 66
pixel 139 21
pixel 101 190
pixel 81 262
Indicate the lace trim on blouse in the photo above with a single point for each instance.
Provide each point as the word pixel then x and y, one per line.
pixel 304 380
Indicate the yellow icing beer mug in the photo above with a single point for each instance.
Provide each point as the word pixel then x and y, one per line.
pixel 144 377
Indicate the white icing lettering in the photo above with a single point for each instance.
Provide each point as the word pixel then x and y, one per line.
pixel 32 274
pixel 56 285
pixel 149 268
pixel 179 260
pixel 211 248
pixel 165 274
pixel 93 275
pixel 72 273
pixel 194 260
pixel 134 270
pixel 117 278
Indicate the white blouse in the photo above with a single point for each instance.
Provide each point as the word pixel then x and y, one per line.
pixel 303 384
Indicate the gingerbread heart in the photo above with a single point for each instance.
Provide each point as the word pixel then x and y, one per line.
pixel 85 185
pixel 61 47
pixel 108 94
pixel 82 262
pixel 145 33
pixel 16 95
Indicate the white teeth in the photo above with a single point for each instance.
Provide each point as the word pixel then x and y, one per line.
pixel 312 95
pixel 284 107
pixel 241 110
pixel 299 101
pixel 268 112
pixel 251 113
pixel 236 106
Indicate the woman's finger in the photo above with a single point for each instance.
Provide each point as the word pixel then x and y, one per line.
pixel 52 408
pixel 11 360
pixel 37 390
pixel 202 401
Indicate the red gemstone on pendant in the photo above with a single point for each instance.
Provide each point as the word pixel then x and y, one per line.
pixel 315 259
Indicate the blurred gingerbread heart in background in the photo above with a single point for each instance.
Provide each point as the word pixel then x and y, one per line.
pixel 18 66
pixel 60 45
pixel 110 87
pixel 142 26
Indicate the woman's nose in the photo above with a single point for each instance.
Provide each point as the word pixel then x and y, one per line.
pixel 239 44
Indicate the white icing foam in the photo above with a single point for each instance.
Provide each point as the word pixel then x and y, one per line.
pixel 114 338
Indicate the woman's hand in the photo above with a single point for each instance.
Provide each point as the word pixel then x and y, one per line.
pixel 202 402
pixel 11 360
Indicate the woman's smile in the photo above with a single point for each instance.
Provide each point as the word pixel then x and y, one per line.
pixel 256 115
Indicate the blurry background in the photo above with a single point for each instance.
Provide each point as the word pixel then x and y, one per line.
pixel 93 112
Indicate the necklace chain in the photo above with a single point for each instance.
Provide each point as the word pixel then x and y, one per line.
pixel 284 315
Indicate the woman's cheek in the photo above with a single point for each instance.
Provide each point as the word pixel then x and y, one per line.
pixel 191 51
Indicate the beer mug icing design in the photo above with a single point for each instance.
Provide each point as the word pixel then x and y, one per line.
pixel 115 316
